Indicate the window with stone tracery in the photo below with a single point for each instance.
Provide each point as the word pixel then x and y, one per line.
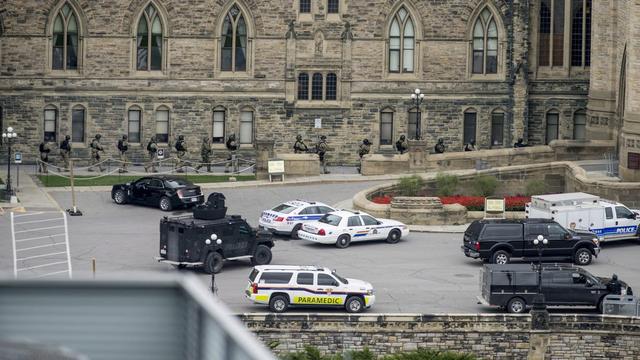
pixel 66 47
pixel 485 44
pixel 401 42
pixel 234 41
pixel 149 40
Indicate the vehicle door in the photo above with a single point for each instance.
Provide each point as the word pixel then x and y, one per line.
pixel 626 223
pixel 588 289
pixel 560 288
pixel 503 234
pixel 155 190
pixel 139 190
pixel 227 234
pixel 309 213
pixel 532 231
pixel 305 290
pixel 243 238
pixel 610 224
pixel 560 241
pixel 330 287
pixel 374 228
pixel 356 228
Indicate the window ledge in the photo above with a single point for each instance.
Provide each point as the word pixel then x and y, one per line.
pixel 78 145
pixel 234 75
pixel 486 77
pixel 402 76
pixel 313 104
pixel 65 73
pixel 149 74
pixel 334 17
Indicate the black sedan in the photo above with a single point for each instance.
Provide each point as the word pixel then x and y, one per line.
pixel 165 192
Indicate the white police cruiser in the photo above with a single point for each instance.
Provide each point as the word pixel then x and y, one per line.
pixel 343 227
pixel 282 286
pixel 287 218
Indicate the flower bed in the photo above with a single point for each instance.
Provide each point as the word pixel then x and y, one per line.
pixel 472 203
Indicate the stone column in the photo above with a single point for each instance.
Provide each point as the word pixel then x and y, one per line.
pixel 518 70
pixel 264 149
pixel 417 154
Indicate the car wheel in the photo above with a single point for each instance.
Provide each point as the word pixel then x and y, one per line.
pixel 516 306
pixel 582 257
pixel 120 197
pixel 394 236
pixel 278 303
pixel 165 204
pixel 294 232
pixel 354 304
pixel 262 256
pixel 500 257
pixel 213 263
pixel 343 241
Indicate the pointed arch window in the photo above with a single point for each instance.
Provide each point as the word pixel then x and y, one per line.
pixel 234 41
pixel 149 40
pixel 65 39
pixel 401 42
pixel 316 86
pixel 581 33
pixel 330 91
pixel 303 86
pixel 485 44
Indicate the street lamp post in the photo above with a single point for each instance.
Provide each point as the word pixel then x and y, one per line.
pixel 9 136
pixel 417 98
pixel 539 243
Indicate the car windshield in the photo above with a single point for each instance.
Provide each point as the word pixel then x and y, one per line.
pixel 331 219
pixel 342 280
pixel 284 208
pixel 177 183
pixel 254 273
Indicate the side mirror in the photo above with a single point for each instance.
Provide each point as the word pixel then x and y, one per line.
pixel 567 236
pixel 589 283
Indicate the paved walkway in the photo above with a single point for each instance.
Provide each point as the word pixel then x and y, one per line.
pixel 31 197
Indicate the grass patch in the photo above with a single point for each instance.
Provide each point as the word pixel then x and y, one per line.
pixel 56 181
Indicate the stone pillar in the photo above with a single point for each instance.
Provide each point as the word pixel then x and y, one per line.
pixel 518 67
pixel 264 149
pixel 629 111
pixel 417 154
pixel 539 338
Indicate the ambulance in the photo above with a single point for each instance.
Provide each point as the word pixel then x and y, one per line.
pixel 609 220
pixel 284 286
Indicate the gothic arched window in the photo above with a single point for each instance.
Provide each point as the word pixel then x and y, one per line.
pixel 234 41
pixel 401 42
pixel 65 39
pixel 485 44
pixel 149 40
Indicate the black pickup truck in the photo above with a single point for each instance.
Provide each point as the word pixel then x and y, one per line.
pixel 514 287
pixel 497 241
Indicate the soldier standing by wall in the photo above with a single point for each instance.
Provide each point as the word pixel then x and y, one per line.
pixel 152 150
pixel 96 147
pixel 44 157
pixel 205 153
pixel 65 151
pixel 181 149
pixel 232 157
pixel 321 149
pixel 299 147
pixel 401 145
pixel 471 146
pixel 123 147
pixel 365 148
pixel 439 148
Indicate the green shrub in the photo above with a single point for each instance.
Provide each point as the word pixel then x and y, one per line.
pixel 535 187
pixel 423 354
pixel 485 185
pixel 446 185
pixel 410 185
pixel 312 353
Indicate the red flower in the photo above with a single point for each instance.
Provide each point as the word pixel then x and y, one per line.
pixel 385 199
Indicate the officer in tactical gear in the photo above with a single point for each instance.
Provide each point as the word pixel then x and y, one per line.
pixel 439 148
pixel 181 151
pixel 321 149
pixel 152 150
pixel 401 145
pixel 614 286
pixel 123 147
pixel 44 157
pixel 520 143
pixel 300 147
pixel 65 151
pixel 471 146
pixel 364 149
pixel 232 156
pixel 96 148
pixel 205 153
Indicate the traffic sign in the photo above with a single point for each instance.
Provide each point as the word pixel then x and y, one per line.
pixel 18 158
pixel 160 153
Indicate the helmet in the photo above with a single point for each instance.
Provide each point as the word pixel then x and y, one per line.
pixel 366 141
pixel 68 137
pixel 152 139
pixel 402 137
pixel 614 277
pixel 98 136
pixel 232 136
pixel 124 137
pixel 440 141
pixel 181 137
pixel 299 137
pixel 323 137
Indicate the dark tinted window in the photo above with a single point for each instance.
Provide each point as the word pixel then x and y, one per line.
pixel 324 209
pixel 326 280
pixel 608 213
pixel 309 210
pixel 537 229
pixel 155 183
pixel 504 278
pixel 305 279
pixel 623 213
pixel 177 183
pixel 368 220
pixel 331 219
pixel 556 230
pixel 276 277
pixel 283 208
pixel 252 276
pixel 244 229
pixel 562 278
pixel 502 230
pixel 354 221
pixel 474 229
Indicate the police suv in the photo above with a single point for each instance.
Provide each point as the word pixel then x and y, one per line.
pixel 282 286
pixel 287 218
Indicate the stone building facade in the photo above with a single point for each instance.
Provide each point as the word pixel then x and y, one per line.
pixel 491 71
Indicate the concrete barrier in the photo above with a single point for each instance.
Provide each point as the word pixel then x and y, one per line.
pixel 300 164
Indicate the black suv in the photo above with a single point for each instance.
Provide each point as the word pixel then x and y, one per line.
pixel 497 241
pixel 189 241
pixel 515 287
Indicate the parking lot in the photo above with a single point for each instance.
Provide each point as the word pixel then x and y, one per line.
pixel 424 273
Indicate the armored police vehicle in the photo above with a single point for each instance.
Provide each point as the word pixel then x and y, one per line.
pixel 209 237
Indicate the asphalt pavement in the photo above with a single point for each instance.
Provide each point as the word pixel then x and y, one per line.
pixel 424 273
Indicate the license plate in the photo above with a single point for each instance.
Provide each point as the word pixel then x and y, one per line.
pixel 268 221
pixel 194 199
pixel 163 251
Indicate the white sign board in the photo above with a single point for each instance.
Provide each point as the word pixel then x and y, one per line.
pixel 318 123
pixel 18 158
pixel 276 166
pixel 494 208
pixel 160 153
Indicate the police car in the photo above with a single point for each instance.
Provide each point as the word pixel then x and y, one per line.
pixel 343 227
pixel 282 286
pixel 287 218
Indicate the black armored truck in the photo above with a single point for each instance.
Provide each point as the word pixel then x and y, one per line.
pixel 209 237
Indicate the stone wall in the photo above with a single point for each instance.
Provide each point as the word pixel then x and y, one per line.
pixel 487 336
